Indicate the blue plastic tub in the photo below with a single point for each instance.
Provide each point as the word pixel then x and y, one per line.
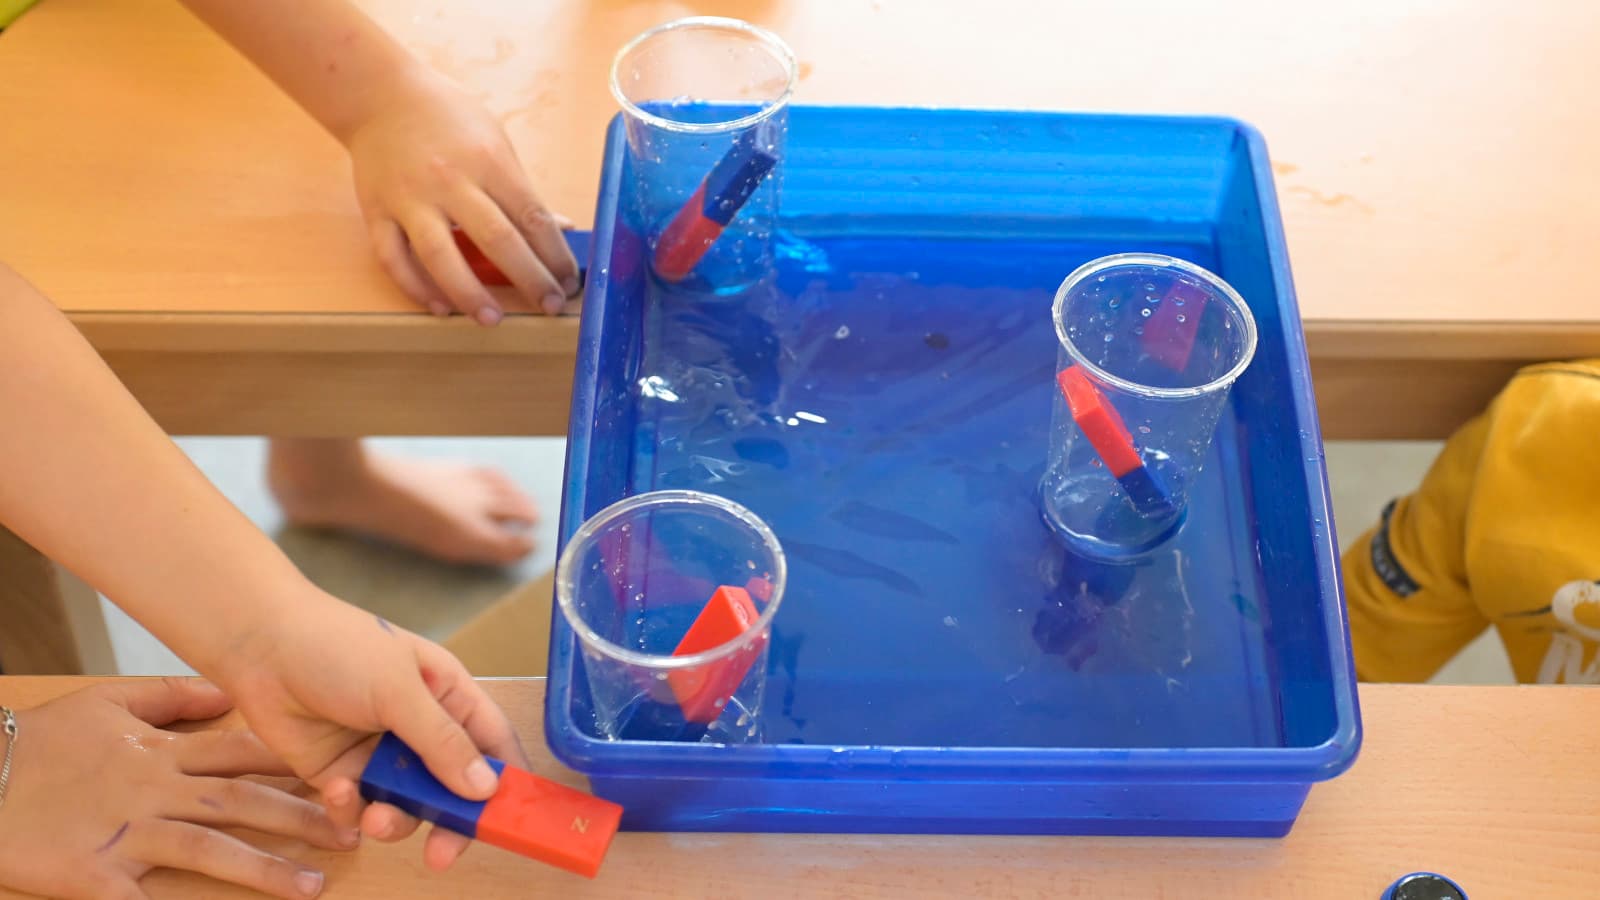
pixel 940 663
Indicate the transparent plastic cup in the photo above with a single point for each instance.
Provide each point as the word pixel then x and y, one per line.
pixel 633 582
pixel 1150 346
pixel 705 102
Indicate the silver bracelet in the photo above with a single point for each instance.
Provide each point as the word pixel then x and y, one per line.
pixel 11 747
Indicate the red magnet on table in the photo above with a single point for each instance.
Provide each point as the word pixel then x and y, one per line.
pixel 1099 422
pixel 702 692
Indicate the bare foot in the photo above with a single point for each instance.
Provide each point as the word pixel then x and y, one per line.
pixel 450 511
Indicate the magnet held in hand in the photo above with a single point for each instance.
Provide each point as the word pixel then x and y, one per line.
pixel 529 815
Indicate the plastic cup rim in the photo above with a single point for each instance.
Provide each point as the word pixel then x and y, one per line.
pixel 566 583
pixel 1116 260
pixel 781 51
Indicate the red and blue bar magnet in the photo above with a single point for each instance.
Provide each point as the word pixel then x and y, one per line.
pixel 1100 423
pixel 700 221
pixel 490 275
pixel 533 816
pixel 702 693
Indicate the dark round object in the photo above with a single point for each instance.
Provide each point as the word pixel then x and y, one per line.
pixel 937 340
pixel 1424 886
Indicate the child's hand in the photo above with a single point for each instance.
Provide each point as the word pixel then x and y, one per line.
pixel 323 677
pixel 99 795
pixel 429 156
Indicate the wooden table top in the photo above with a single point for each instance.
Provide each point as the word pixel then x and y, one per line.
pixel 1493 786
pixel 1431 156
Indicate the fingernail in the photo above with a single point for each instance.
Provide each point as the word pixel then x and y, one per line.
pixel 480 777
pixel 554 304
pixel 571 284
pixel 488 315
pixel 350 837
pixel 438 308
pixel 308 882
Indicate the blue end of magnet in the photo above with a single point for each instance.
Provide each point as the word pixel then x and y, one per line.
pixel 1147 493
pixel 738 173
pixel 578 243
pixel 395 775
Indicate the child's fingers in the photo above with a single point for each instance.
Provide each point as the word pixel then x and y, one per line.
pixel 442 848
pixel 117 885
pixel 228 752
pixel 388 823
pixel 167 700
pixel 540 228
pixel 516 510
pixel 419 720
pixel 431 242
pixel 389 243
pixel 342 800
pixel 464 699
pixel 235 803
pixel 489 728
pixel 506 247
pixel 183 845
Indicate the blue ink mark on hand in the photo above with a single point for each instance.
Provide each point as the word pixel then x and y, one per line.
pixel 114 838
pixel 382 623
